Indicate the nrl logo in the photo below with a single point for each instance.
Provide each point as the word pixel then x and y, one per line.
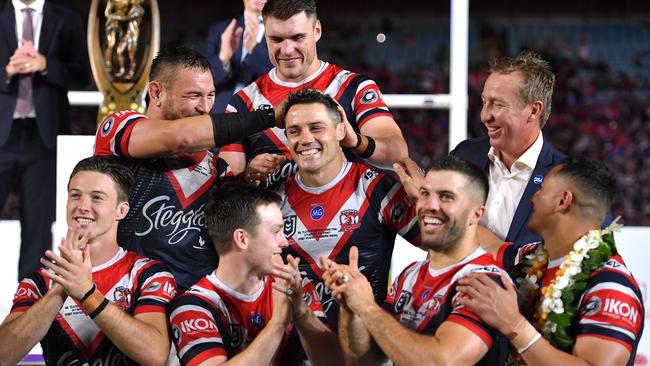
pixel 289 225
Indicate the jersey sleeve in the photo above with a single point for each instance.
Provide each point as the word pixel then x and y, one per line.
pixel 30 289
pixel 397 210
pixel 195 330
pixel 612 308
pixel 157 289
pixel 113 133
pixel 368 102
pixel 389 303
pixel 468 319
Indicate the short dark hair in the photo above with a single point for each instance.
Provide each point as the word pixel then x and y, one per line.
pixel 538 79
pixel 595 183
pixel 119 173
pixel 285 9
pixel 476 177
pixel 232 206
pixel 311 96
pixel 170 58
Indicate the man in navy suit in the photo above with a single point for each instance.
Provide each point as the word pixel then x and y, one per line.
pixel 43 53
pixel 516 104
pixel 236 64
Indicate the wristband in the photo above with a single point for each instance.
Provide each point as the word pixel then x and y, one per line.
pixel 87 294
pixel 93 301
pixel 99 309
pixel 229 128
pixel 530 344
pixel 365 150
pixel 359 139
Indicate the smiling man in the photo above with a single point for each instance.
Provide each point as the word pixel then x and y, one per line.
pixel 332 203
pixel 292 31
pixel 88 302
pixel 240 313
pixel 516 104
pixel 422 321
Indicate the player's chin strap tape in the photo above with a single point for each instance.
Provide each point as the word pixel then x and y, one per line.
pixel 229 128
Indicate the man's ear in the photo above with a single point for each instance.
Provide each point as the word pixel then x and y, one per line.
pixel 340 131
pixel 476 215
pixel 565 201
pixel 240 239
pixel 318 30
pixel 122 210
pixel 536 111
pixel 154 91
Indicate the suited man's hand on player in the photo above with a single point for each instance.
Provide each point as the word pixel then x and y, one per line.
pixel 261 166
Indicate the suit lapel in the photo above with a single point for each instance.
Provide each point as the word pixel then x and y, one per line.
pixel 47 29
pixel 8 20
pixel 543 165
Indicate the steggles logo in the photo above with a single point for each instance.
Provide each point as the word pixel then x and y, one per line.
pixel 159 215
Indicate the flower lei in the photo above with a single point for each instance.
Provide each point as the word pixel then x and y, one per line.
pixel 556 303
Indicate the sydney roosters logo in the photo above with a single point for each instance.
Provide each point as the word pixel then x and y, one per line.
pixel 349 220
pixel 159 214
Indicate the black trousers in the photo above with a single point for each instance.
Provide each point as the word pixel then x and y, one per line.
pixel 28 165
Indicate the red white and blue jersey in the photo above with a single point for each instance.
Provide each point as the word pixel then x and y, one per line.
pixel 360 207
pixel 422 298
pixel 211 319
pixel 359 96
pixel 135 283
pixel 611 306
pixel 166 220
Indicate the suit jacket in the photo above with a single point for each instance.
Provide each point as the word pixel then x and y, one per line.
pixel 63 42
pixel 241 71
pixel 476 151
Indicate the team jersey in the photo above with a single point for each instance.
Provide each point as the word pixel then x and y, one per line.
pixel 422 298
pixel 360 207
pixel 610 307
pixel 166 220
pixel 136 284
pixel 359 96
pixel 211 319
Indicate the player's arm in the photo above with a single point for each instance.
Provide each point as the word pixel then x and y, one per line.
pixel 265 345
pixel 236 160
pixel 20 331
pixel 320 343
pixel 152 138
pixel 390 145
pixel 498 308
pixel 356 342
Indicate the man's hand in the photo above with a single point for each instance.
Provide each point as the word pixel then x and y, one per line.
pixel 351 138
pixel 261 166
pixel 483 296
pixel 290 282
pixel 72 269
pixel 252 31
pixel 410 175
pixel 229 40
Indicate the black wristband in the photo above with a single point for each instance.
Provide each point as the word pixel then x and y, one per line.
pixel 370 149
pixel 229 128
pixel 99 309
pixel 87 294
pixel 358 141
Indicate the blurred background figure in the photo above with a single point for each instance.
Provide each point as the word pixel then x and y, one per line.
pixel 43 51
pixel 237 51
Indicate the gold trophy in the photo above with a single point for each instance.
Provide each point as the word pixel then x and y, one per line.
pixel 122 40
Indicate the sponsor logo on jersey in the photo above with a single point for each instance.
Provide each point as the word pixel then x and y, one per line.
pixel 107 126
pixel 26 292
pixel 201 243
pixel 153 287
pixel 159 214
pixel 257 321
pixel 369 174
pixel 349 220
pixel 290 225
pixel 194 325
pixel 177 334
pixel 620 309
pixel 404 298
pixel 236 335
pixel 317 212
pixel 122 296
pixel 398 212
pixel 369 97
pixel 593 306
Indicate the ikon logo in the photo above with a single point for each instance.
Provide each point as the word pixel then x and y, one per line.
pixel 193 325
pixel 622 309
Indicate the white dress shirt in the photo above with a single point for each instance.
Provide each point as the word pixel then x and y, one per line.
pixel 37 21
pixel 507 186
